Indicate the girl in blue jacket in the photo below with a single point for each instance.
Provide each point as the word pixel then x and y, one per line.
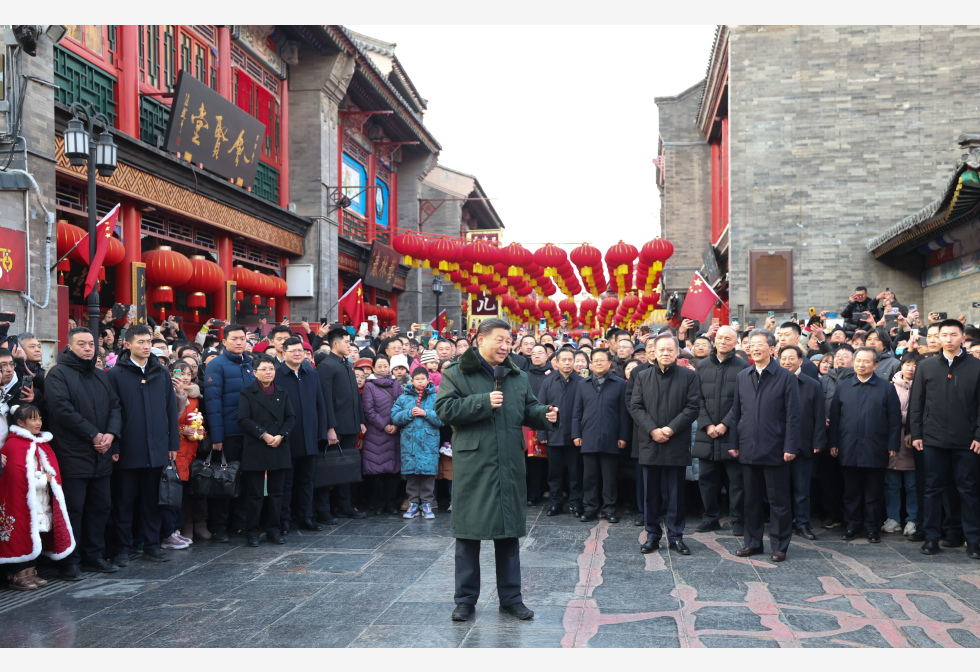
pixel 415 413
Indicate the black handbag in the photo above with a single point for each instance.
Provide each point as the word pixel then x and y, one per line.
pixel 215 481
pixel 335 467
pixel 171 494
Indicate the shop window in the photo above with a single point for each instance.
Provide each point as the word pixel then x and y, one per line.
pixel 79 79
pixel 166 50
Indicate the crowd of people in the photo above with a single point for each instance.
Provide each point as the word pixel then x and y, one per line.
pixel 867 428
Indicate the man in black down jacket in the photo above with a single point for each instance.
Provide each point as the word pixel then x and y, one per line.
pixel 665 403
pixel 944 413
pixel 813 437
pixel 830 479
pixel 716 375
pixel 559 390
pixel 538 371
pixel 149 439
pixel 865 430
pixel 345 418
pixel 84 419
pixel 765 437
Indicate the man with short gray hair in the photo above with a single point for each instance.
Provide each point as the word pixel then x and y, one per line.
pixel 27 356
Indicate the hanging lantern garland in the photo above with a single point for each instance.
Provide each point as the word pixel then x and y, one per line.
pixel 165 269
pixel 653 256
pixel 412 247
pixel 619 261
pixel 588 261
pixel 246 282
pixel 207 277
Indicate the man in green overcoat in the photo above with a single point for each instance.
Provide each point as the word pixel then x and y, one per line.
pixel 489 488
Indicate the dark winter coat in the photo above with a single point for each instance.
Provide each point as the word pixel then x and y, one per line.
pixel 830 382
pixel 599 417
pixel 22 368
pixel 381 453
pixel 765 415
pixel 813 423
pixel 944 404
pixel 665 398
pixel 306 396
pixel 82 405
pixel 888 365
pixel 149 413
pixel 536 375
pixel 258 413
pixel 489 486
pixel 345 415
pixel 419 435
pixel 557 391
pixel 226 377
pixel 717 381
pixel 851 322
pixel 865 422
pixel 808 368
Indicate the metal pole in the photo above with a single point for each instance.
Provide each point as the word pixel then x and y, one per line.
pixel 93 298
pixel 437 312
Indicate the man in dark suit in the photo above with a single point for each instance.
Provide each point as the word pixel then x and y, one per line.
pixel 813 437
pixel 345 417
pixel 559 389
pixel 765 438
pixel 789 334
pixel 665 404
pixel 298 377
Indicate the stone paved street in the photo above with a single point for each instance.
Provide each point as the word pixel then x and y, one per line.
pixel 386 582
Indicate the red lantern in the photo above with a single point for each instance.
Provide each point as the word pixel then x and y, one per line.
pixel 619 260
pixel 68 236
pixel 482 254
pixel 412 246
pixel 207 277
pixel 550 257
pixel 568 306
pixel 517 257
pixel 444 254
pixel 165 269
pixel 653 256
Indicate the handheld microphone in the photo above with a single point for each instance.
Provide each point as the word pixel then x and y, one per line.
pixel 499 372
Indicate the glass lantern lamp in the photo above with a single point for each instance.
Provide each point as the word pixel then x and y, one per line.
pixel 76 142
pixel 105 155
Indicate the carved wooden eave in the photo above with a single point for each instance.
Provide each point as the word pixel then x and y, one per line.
pixel 715 83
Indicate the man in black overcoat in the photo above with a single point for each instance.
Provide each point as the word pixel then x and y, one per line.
pixel 559 389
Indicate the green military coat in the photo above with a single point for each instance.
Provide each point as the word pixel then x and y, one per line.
pixel 489 488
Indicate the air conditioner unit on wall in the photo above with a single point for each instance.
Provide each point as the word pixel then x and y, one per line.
pixel 300 281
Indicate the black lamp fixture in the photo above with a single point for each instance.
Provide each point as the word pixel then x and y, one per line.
pixel 76 142
pixel 105 154
pixel 437 291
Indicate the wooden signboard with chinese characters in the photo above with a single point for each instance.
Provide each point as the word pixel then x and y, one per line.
pixel 207 129
pixel 770 280
pixel 139 291
pixel 382 266
pixel 13 270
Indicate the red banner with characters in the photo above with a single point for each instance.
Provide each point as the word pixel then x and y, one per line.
pixel 13 260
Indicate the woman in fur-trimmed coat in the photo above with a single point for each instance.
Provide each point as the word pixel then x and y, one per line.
pixel 33 513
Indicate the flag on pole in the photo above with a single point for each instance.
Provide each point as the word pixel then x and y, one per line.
pixel 103 232
pixel 352 303
pixel 700 299
pixel 442 317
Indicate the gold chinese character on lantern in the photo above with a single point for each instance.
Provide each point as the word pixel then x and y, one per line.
pixel 200 122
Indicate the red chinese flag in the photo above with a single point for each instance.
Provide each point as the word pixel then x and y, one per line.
pixel 352 303
pixel 103 232
pixel 443 323
pixel 700 299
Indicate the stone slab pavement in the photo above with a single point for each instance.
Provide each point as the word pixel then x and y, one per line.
pixel 388 582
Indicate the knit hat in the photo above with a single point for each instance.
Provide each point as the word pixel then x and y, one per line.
pixel 399 360
pixel 429 356
pixel 364 362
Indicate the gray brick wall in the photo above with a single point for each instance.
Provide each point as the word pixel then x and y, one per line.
pixel 446 221
pixel 836 134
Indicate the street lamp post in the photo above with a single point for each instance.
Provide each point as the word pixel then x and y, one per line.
pixel 81 148
pixel 437 290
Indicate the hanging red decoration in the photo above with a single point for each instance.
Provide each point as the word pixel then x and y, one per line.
pixel 165 269
pixel 518 257
pixel 412 247
pixel 619 261
pixel 653 255
pixel 550 257
pixel 568 306
pixel 444 255
pixel 482 254
pixel 588 260
pixel 207 277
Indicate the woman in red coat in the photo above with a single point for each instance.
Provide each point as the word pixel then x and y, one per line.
pixel 33 514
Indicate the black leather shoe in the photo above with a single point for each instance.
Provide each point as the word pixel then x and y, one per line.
pixel 953 542
pixel 806 532
pixel 638 520
pixel 738 530
pixel 650 545
pixel 285 527
pixel 680 547
pixel 101 565
pixel 553 511
pixel 307 524
pixel 463 612
pixel 351 513
pixel 156 556
pixel 253 541
pixel 849 535
pixel 745 552
pixel 276 539
pixel 612 518
pixel 577 511
pixel 931 547
pixel 918 535
pixel 708 526
pixel 121 560
pixel 517 610
pixel 533 501
pixel 973 550
pixel 325 519
pixel 874 538
pixel 220 538
pixel 589 517
pixel 70 573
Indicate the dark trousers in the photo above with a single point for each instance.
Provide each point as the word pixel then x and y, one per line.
pixel 253 494
pixel 800 471
pixel 966 475
pixel 710 482
pixel 864 498
pixel 831 482
pixel 537 476
pixel 297 489
pixel 321 496
pixel 640 507
pixel 384 489
pixel 136 490
pixel 507 557
pixel 596 466
pixel 952 510
pixel 918 459
pixel 653 481
pixel 774 482
pixel 227 513
pixel 89 502
pixel 173 520
pixel 562 460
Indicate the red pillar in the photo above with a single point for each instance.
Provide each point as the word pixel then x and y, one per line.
pixel 128 120
pixel 284 146
pixel 725 188
pixel 715 192
pixel 393 204
pixel 372 169
pixel 131 219
pixel 226 262
pixel 282 304
pixel 224 62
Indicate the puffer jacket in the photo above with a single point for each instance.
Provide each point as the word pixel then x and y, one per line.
pixel 717 382
pixel 226 377
pixel 830 382
pixel 904 461
pixel 419 435
pixel 381 453
pixel 888 365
